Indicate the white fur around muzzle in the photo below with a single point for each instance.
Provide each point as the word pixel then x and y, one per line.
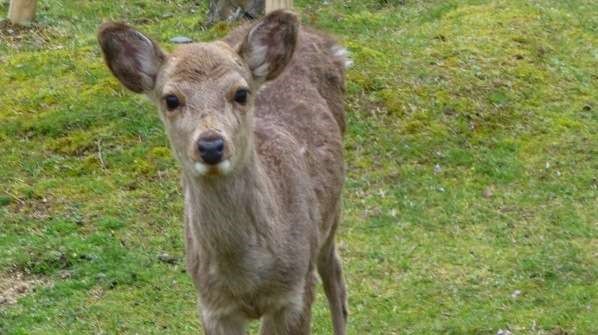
pixel 223 168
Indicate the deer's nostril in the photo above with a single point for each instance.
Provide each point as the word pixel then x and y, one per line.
pixel 211 150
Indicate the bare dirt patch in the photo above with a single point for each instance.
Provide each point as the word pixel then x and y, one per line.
pixel 35 35
pixel 14 285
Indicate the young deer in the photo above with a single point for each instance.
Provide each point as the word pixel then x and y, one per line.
pixel 262 169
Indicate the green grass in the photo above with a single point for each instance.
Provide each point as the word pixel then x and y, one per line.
pixel 471 149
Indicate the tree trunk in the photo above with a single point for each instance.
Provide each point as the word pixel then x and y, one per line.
pixel 21 11
pixel 230 10
pixel 272 5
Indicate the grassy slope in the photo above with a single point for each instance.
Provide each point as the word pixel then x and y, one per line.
pixel 471 153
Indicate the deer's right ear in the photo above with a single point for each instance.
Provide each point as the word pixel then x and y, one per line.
pixel 270 44
pixel 132 57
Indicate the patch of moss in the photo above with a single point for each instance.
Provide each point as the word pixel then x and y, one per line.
pixel 76 143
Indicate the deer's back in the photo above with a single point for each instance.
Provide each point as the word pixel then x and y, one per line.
pixel 306 103
pixel 311 87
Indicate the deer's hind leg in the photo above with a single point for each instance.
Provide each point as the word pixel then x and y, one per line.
pixel 331 272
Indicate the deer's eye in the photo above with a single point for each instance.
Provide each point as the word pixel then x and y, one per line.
pixel 172 102
pixel 241 96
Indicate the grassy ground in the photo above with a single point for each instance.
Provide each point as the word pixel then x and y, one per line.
pixel 471 200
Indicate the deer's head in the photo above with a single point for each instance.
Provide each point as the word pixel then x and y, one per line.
pixel 205 92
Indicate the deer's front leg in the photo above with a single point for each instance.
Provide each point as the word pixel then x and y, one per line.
pixel 214 324
pixel 295 318
pixel 288 321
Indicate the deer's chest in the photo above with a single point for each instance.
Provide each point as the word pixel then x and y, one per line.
pixel 251 285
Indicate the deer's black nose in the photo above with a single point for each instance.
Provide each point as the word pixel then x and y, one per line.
pixel 211 149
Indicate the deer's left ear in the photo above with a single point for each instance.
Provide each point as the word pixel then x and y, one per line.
pixel 270 44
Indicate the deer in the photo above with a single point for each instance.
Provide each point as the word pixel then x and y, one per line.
pixel 256 121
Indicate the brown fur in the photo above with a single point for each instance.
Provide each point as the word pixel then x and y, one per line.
pixel 256 231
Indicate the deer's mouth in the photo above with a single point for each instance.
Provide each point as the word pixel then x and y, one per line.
pixel 221 169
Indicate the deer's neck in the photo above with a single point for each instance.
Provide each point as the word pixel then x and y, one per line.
pixel 228 213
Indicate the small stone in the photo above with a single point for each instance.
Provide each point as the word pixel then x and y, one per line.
pixel 504 332
pixel 22 288
pixel 166 258
pixel 65 274
pixel 516 294
pixel 181 40
pixel 558 331
pixel 437 168
pixel 488 192
pixel 88 257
